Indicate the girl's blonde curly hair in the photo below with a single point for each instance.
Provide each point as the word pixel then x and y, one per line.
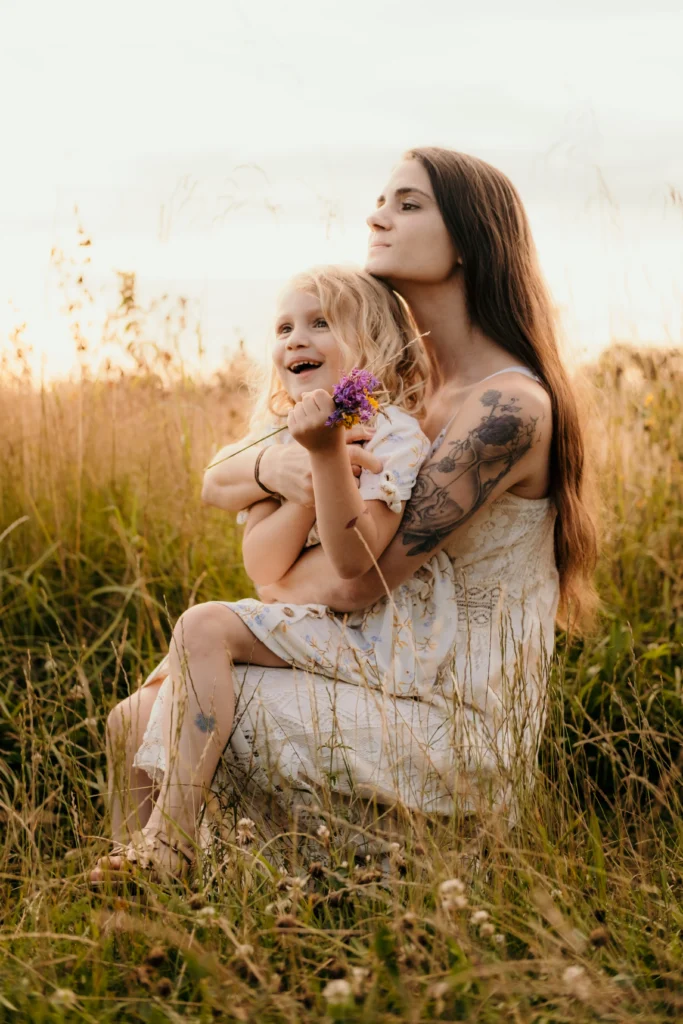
pixel 374 328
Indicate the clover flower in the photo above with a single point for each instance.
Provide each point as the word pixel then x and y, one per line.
pixel 245 831
pixel 354 398
pixel 337 992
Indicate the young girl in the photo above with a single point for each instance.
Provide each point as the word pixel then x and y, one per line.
pixel 329 320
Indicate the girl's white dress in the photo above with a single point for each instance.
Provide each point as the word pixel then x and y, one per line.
pixel 433 694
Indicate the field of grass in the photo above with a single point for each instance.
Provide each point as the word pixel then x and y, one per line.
pixel 577 915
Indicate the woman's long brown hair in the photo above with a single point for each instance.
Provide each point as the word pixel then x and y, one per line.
pixel 508 300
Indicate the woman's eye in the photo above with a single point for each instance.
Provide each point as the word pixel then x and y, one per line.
pixel 409 206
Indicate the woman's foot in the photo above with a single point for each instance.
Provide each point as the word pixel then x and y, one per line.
pixel 150 851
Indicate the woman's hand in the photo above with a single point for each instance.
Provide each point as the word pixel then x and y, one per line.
pixel 286 468
pixel 307 422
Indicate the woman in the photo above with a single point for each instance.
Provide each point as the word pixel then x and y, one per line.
pixel 496 534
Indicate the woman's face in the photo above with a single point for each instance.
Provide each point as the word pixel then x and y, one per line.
pixel 408 238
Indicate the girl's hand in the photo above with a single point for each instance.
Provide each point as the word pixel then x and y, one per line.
pixel 306 422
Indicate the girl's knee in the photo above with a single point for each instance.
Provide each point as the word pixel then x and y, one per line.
pixel 203 628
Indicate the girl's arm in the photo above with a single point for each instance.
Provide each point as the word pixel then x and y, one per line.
pixel 285 468
pixel 274 538
pixel 353 533
pixel 499 439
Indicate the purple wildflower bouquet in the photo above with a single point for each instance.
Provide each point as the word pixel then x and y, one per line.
pixel 355 399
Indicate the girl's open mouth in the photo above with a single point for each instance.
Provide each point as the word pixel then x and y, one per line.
pixel 305 366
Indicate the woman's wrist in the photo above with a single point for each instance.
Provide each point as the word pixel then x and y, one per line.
pixel 267 470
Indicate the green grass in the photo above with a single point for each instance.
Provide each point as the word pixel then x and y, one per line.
pixel 105 543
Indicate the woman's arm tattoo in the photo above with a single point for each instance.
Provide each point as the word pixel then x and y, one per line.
pixel 480 461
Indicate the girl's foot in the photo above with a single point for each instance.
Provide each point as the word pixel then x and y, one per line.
pixel 153 852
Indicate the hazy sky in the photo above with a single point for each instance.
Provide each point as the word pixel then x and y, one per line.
pixel 218 146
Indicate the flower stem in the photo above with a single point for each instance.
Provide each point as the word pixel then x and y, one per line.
pixel 259 441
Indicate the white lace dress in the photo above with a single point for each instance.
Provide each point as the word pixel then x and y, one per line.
pixel 434 694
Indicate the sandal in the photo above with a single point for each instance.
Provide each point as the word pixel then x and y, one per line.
pixel 143 853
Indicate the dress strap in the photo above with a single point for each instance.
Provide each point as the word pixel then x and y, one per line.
pixel 514 369
pixel 508 369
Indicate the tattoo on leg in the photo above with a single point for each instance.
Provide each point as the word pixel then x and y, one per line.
pixel 205 723
pixel 479 462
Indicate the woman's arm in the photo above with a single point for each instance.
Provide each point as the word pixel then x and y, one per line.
pixel 286 469
pixel 274 538
pixel 353 533
pixel 499 439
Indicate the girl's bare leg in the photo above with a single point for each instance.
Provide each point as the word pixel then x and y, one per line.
pixel 207 640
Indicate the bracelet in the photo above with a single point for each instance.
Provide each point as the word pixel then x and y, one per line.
pixel 258 480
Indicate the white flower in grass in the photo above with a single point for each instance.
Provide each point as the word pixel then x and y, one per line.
pixel 451 886
pixel 323 833
pixel 245 831
pixel 359 976
pixel 296 885
pixel 576 982
pixel 206 915
pixel 499 939
pixel 451 893
pixel 244 950
pixel 487 930
pixel 337 992
pixel 479 916
pixel 65 997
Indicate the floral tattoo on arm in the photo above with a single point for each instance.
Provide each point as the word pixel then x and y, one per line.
pixel 479 461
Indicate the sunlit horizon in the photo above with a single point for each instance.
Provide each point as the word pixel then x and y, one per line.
pixel 215 154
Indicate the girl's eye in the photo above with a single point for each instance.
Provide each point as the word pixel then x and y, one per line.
pixel 283 328
pixel 320 322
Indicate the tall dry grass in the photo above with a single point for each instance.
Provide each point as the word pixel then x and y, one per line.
pixel 574 916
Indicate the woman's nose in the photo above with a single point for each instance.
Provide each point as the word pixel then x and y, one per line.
pixel 377 221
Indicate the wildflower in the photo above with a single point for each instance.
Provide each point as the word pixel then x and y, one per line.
pixel 354 399
pixel 245 831
pixel 286 921
pixel 65 997
pixel 451 886
pixel 279 907
pixel 499 939
pixel 206 915
pixel 486 930
pixel 359 976
pixel 164 988
pixel 479 916
pixel 576 983
pixel 452 895
pixel 323 833
pixel 437 991
pixel 244 950
pixel 337 992
pixel 156 956
pixel 296 885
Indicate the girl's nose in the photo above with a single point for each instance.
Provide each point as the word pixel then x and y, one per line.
pixel 296 339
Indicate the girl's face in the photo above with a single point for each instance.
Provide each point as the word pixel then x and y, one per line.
pixel 306 353
pixel 408 238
